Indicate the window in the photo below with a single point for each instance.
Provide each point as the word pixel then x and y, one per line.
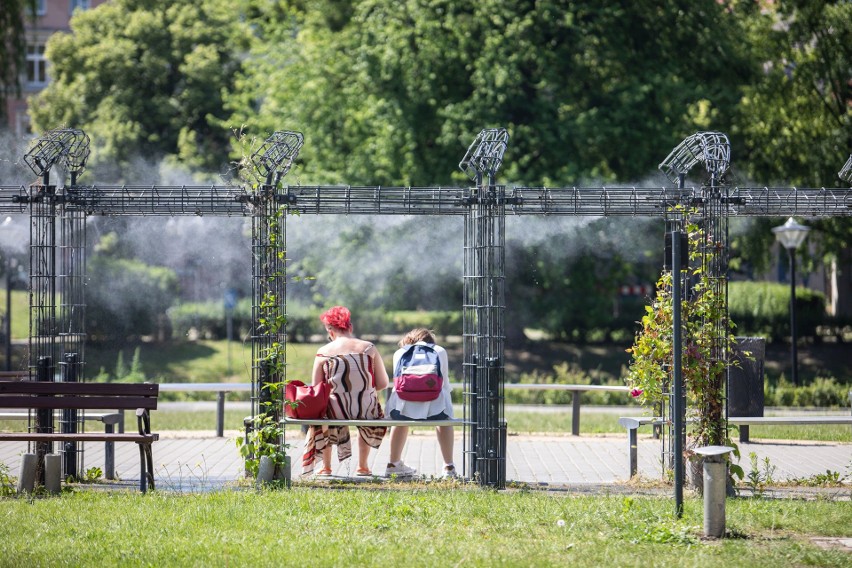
pixel 36 65
pixel 82 4
pixel 40 8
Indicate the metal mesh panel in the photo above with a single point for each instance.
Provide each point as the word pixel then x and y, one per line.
pixel 268 293
pixel 43 328
pixel 484 337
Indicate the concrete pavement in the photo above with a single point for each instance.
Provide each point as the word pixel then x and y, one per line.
pixel 199 460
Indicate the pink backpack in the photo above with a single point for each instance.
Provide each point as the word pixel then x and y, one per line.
pixel 417 375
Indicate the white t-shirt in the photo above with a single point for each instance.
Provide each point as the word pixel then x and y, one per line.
pixel 423 410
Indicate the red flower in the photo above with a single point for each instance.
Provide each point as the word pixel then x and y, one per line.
pixel 636 392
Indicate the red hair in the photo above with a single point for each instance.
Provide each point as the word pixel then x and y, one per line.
pixel 337 317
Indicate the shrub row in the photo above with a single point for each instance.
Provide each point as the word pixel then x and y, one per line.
pixel 207 320
pixel 763 308
pixel 822 392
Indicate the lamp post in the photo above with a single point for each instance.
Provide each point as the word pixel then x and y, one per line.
pixel 791 235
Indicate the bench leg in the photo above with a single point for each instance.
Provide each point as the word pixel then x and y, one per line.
pixel 632 440
pixel 109 454
pixel 146 467
pixel 744 433
pixel 220 414
pixel 575 413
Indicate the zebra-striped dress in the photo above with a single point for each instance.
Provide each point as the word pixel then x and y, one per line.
pixel 353 397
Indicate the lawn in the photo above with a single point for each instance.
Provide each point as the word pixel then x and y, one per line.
pixel 441 525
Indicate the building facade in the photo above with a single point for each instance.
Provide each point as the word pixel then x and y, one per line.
pixel 51 16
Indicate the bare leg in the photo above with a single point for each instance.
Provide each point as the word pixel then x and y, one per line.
pixel 399 435
pixel 445 440
pixel 363 453
pixel 326 457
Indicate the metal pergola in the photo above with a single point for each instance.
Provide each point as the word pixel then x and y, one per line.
pixel 57 216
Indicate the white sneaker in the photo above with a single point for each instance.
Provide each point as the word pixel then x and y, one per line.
pixel 449 472
pixel 399 470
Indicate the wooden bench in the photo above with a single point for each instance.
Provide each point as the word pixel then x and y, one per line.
pixel 388 422
pixel 47 396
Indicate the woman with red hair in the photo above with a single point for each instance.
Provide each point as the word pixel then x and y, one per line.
pixel 355 370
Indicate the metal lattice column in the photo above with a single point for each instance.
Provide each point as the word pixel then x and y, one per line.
pixel 71 326
pixel 484 337
pixel 269 294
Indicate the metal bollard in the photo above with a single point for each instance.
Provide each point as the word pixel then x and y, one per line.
pixel 715 485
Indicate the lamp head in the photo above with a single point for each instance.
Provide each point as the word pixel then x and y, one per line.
pixel 791 234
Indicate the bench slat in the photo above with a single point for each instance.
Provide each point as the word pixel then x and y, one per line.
pixel 83 437
pixel 379 422
pixel 80 402
pixel 802 420
pixel 82 389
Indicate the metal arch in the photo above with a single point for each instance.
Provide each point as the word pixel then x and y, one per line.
pixel 275 156
pixel 485 155
pixel 68 145
pixel 711 148
pixel 845 172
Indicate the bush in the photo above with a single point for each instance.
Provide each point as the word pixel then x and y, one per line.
pixel 823 392
pixel 127 298
pixel 208 320
pixel 763 308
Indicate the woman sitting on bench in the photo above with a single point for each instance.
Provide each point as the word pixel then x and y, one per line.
pixel 356 372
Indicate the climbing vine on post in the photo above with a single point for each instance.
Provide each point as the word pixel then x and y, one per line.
pixel 707 340
pixel 263 171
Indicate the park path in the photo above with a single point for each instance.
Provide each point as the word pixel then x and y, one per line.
pixel 186 460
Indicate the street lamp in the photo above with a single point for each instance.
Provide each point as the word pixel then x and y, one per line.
pixel 791 235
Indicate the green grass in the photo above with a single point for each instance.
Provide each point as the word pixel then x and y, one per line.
pixel 444 526
pixel 20 312
pixel 203 361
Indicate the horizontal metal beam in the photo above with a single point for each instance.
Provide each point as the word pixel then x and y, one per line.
pixel 379 200
pixel 636 201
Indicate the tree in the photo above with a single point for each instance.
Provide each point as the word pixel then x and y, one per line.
pixel 394 93
pixel 145 79
pixel 795 121
pixel 125 298
pixel 13 47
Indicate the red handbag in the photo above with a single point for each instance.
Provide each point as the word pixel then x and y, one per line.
pixel 311 401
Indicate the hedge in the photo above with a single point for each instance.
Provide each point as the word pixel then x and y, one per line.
pixel 763 309
pixel 207 320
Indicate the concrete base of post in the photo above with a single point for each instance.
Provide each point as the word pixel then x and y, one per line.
pixel 26 481
pixel 53 473
pixel 265 471
pixel 283 472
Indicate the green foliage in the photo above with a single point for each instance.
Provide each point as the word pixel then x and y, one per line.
pixel 706 338
pixel 127 298
pixel 401 89
pixel 8 483
pixel 13 43
pixel 145 78
pixel 763 308
pixel 795 120
pixel 759 475
pixel 266 435
pixel 93 474
pixel 823 392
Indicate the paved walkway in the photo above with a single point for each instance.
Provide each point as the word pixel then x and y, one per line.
pixel 187 460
